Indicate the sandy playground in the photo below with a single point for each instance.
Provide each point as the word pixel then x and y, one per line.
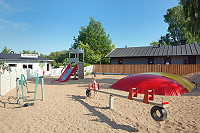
pixel 65 109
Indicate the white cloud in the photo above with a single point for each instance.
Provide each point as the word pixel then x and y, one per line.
pixel 10 7
pixel 8 24
pixel 13 6
pixel 4 7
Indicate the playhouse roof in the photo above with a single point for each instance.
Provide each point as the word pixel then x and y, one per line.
pixel 163 50
pixel 19 57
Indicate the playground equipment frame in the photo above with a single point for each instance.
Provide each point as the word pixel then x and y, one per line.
pixel 25 100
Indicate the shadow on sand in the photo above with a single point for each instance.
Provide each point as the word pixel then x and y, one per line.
pixel 10 100
pixel 49 79
pixel 103 118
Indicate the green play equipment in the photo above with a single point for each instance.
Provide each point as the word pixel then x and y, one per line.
pixel 24 84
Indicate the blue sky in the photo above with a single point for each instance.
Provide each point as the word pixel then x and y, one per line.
pixel 49 25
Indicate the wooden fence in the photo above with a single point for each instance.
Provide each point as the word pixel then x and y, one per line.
pixel 132 69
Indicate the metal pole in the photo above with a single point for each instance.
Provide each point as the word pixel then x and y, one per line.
pixel 111 102
pixel 159 104
pixel 17 86
pixel 42 87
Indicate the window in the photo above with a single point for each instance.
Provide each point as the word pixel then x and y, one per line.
pixel 192 60
pixel 30 66
pixel 80 57
pixel 72 55
pixel 189 60
pixel 24 66
pixel 120 61
pixel 185 60
pixel 48 67
pixel 150 60
pixel 12 65
pixel 167 60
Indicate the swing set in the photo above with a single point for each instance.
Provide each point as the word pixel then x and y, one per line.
pixel 24 84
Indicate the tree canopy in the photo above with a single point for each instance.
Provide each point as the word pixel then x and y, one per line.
pixel 5 50
pixel 28 52
pixel 59 57
pixel 4 66
pixel 191 10
pixel 176 20
pixel 180 25
pixel 95 41
pixel 154 43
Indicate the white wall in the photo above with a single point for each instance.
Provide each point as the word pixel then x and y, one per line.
pixel 57 71
pixel 35 67
pixel 8 80
pixel 45 68
pixel 88 69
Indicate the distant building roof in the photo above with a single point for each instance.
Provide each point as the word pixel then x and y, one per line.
pixel 163 50
pixel 16 57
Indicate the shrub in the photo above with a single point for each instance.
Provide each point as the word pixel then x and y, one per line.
pixel 73 65
pixel 60 64
pixel 87 73
pixel 86 64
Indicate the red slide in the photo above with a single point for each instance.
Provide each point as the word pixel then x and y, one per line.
pixel 66 74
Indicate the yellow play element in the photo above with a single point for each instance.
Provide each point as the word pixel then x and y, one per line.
pixel 184 81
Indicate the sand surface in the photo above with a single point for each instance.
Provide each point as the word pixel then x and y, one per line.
pixel 65 109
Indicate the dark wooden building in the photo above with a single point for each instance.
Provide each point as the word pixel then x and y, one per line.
pixel 164 54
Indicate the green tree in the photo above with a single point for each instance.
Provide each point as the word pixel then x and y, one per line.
pixel 44 55
pixel 5 50
pixel 4 66
pixel 90 55
pixel 177 28
pixel 176 20
pixel 165 40
pixel 154 43
pixel 192 13
pixel 25 52
pixel 34 52
pixel 65 61
pixel 95 41
pixel 59 57
pixel 28 52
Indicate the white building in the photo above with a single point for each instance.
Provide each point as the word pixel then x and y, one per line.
pixel 33 62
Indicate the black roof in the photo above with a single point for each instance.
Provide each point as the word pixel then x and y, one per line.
pixel 14 57
pixel 163 50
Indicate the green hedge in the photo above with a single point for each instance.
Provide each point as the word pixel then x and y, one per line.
pixel 87 64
